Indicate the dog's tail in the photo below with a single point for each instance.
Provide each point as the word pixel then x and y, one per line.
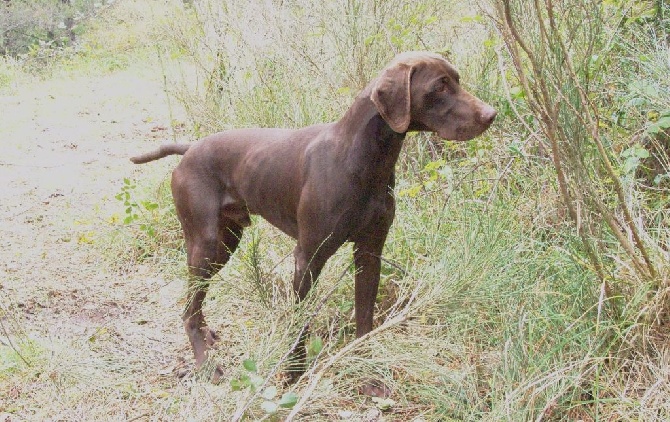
pixel 163 151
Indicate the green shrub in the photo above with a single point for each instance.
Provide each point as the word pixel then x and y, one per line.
pixel 32 24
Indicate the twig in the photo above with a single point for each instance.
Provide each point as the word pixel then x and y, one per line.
pixel 139 417
pixel 9 343
pixel 548 117
pixel 3 163
pixel 455 188
pixel 593 126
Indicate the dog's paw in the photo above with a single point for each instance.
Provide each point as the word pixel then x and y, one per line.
pixel 217 375
pixel 182 368
pixel 290 376
pixel 375 388
pixel 211 337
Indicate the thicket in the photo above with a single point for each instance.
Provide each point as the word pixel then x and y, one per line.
pixel 26 25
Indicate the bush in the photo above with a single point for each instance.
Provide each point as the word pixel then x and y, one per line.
pixel 30 23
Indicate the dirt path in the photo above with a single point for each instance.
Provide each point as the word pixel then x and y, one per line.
pixel 65 148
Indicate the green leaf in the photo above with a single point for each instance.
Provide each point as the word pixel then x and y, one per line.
pixel 315 346
pixel 473 18
pixel 515 149
pixel 256 381
pixel 446 172
pixel 241 383
pixel 636 151
pixel 433 165
pixel 370 40
pixel 150 206
pixel 269 393
pixel 644 88
pixel 346 306
pixel 288 400
pixel 659 178
pixel 659 126
pixel 250 365
pixel 383 404
pixel 517 92
pixel 345 90
pixel 269 407
pixel 412 192
pixel 630 165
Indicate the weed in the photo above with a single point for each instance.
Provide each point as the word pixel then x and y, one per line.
pixel 142 212
pixel 270 403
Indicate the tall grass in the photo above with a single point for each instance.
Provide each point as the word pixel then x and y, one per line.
pixel 292 64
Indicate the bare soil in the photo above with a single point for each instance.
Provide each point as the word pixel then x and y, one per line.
pixel 95 331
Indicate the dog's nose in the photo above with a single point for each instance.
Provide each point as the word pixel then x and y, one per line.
pixel 488 115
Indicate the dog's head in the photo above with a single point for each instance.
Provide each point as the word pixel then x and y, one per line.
pixel 421 91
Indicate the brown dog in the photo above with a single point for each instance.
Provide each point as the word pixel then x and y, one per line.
pixel 323 185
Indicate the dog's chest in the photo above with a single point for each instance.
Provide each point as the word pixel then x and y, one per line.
pixel 373 211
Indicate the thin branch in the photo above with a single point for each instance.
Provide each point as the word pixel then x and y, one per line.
pixel 9 342
pixel 548 116
pixel 595 134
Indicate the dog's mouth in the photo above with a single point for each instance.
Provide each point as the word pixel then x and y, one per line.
pixel 469 124
pixel 462 133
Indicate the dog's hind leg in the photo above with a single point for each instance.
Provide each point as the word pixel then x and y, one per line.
pixel 207 254
pixel 211 237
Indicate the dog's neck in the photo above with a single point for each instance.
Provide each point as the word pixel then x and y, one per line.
pixel 372 147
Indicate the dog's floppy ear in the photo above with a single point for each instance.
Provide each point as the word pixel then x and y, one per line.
pixel 391 96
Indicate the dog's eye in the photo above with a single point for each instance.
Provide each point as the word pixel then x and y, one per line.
pixel 442 85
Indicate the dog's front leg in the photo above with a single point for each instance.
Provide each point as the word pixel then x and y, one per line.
pixel 367 258
pixel 308 265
